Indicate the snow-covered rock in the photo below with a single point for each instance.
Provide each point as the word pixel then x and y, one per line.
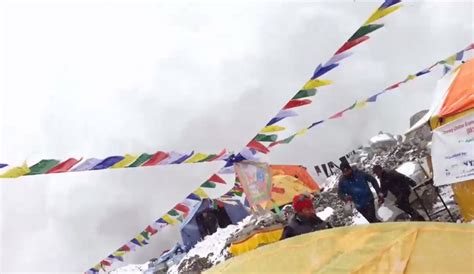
pixel 383 141
pixel 326 213
pixel 131 269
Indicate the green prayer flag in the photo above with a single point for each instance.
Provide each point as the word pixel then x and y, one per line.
pixel 208 158
pixel 266 138
pixel 42 167
pixel 145 235
pixel 173 213
pixel 208 184
pixel 365 30
pixel 140 160
pixel 304 93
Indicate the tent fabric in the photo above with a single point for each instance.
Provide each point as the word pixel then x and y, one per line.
pixel 463 191
pixel 190 233
pixel 453 99
pixel 461 92
pixel 288 181
pixel 440 94
pixel 424 247
pixel 256 239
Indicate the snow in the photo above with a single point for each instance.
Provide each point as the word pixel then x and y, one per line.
pixel 408 168
pixel 131 269
pixel 326 213
pixel 381 138
pixel 358 219
pixel 331 182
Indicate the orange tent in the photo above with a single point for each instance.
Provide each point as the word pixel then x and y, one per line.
pixel 290 180
pixel 455 100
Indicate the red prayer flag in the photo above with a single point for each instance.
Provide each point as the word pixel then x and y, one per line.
pixel 216 179
pixel 124 248
pixel 151 230
pixel 156 158
pixel 337 115
pixel 394 86
pixel 297 103
pixel 219 155
pixel 350 44
pixel 105 262
pixel 64 166
pixel 258 147
pixel 182 208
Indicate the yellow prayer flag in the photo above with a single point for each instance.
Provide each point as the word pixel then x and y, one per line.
pixel 411 77
pixel 360 104
pixel 119 253
pixel 140 238
pixel 169 219
pixel 201 193
pixel 128 159
pixel 301 132
pixel 273 128
pixel 379 13
pixel 451 60
pixel 311 84
pixel 16 171
pixel 196 158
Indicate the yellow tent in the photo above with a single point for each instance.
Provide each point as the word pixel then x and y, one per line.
pixel 454 99
pixel 406 248
pixel 288 181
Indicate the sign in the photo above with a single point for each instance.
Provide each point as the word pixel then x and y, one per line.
pixel 256 182
pixel 453 151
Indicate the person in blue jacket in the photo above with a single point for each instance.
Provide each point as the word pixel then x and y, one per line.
pixel 354 186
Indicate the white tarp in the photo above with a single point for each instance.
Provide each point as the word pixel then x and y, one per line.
pixel 439 96
pixel 453 151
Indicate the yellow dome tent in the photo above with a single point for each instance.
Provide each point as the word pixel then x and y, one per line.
pixel 421 248
pixel 288 181
pixel 454 99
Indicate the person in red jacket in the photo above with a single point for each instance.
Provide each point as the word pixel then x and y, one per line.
pixel 305 219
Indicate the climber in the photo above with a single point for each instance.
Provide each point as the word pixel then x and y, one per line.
pixel 353 186
pixel 399 185
pixel 305 219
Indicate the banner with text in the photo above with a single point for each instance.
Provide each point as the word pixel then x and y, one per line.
pixel 453 151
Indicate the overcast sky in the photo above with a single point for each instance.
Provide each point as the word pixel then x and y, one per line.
pixel 96 79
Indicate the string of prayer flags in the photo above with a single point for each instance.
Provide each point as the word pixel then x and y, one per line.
pixel 373 98
pixel 358 37
pixel 53 166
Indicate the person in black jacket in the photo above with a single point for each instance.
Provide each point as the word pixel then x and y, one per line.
pixel 207 222
pixel 304 220
pixel 399 185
